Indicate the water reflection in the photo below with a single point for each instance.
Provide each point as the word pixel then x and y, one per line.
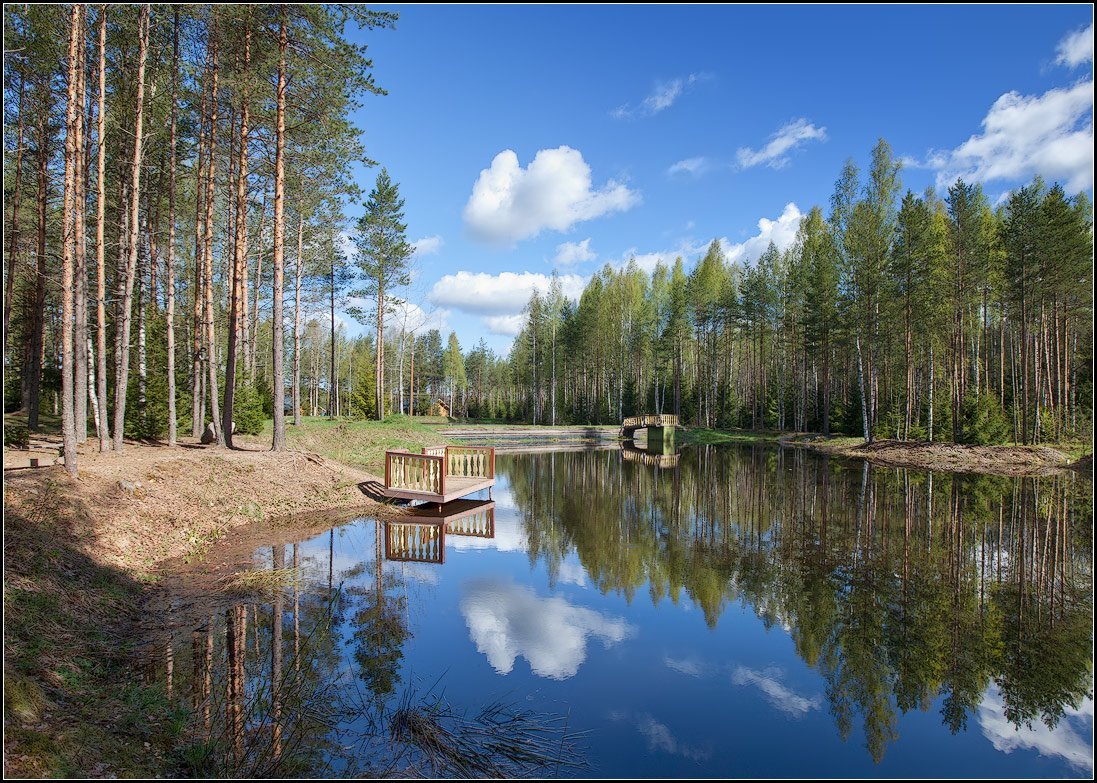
pixel 898 587
pixel 506 620
pixel 622 584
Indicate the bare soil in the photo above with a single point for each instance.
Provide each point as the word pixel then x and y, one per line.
pixel 86 558
pixel 952 457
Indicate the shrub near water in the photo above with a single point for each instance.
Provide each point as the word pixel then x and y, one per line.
pixel 984 422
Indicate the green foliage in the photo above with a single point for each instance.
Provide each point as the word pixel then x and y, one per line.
pixel 16 436
pixel 984 421
pixel 363 400
pixel 247 409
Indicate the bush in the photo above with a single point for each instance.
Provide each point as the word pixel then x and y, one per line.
pixel 16 436
pixel 984 422
pixel 247 409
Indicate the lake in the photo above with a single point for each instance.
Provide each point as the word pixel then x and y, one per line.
pixel 732 611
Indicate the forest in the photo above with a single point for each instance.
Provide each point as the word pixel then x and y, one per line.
pixel 176 180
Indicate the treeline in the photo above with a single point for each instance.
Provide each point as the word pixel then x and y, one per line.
pixel 167 168
pixel 893 315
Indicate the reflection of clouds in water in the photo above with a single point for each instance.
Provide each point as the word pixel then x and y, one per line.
pixel 572 574
pixel 688 666
pixel 421 572
pixel 778 695
pixel 506 620
pixel 1070 740
pixel 659 736
pixel 510 536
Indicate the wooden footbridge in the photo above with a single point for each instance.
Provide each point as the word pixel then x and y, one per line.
pixel 648 421
pixel 421 537
pixel 440 474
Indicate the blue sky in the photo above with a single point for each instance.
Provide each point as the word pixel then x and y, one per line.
pixel 532 138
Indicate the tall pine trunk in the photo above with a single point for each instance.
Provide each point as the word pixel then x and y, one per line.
pixel 131 265
pixel 279 440
pixel 169 283
pixel 68 239
pixel 100 246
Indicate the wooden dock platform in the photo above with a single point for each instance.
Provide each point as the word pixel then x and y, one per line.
pixel 440 474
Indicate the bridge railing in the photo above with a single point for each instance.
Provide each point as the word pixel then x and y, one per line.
pixel 470 461
pixel 650 420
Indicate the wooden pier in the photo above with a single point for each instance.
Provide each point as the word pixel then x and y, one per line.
pixel 440 474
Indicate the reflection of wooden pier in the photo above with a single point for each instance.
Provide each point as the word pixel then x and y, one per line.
pixel 440 474
pixel 421 537
pixel 652 459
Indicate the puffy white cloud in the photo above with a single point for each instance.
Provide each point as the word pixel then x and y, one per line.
pixel 427 246
pixel 782 232
pixel 784 141
pixel 505 325
pixel 507 620
pixel 777 694
pixel 1071 740
pixel 662 96
pixel 506 292
pixel 1050 135
pixel 573 253
pixel 509 203
pixel 1076 48
pixel 693 166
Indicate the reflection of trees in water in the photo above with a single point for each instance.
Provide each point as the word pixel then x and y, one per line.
pixel 264 705
pixel 899 587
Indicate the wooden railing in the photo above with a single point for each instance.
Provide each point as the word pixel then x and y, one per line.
pixel 427 472
pixel 416 472
pixel 470 461
pixel 650 420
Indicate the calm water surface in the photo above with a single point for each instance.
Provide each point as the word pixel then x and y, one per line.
pixel 737 611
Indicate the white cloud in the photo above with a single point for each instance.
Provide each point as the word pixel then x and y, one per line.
pixel 427 246
pixel 1076 48
pixel 1071 740
pixel 662 96
pixel 507 620
pixel 573 253
pixel 1050 135
pixel 509 203
pixel 777 694
pixel 785 140
pixel 782 232
pixel 692 166
pixel 504 293
pixel 505 325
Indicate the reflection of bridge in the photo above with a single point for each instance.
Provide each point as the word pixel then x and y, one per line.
pixel 421 537
pixel 651 459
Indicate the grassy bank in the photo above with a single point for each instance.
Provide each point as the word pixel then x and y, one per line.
pixel 355 442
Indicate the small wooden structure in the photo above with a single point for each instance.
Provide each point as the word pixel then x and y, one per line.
pixel 439 408
pixel 652 459
pixel 648 420
pixel 421 537
pixel 440 474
